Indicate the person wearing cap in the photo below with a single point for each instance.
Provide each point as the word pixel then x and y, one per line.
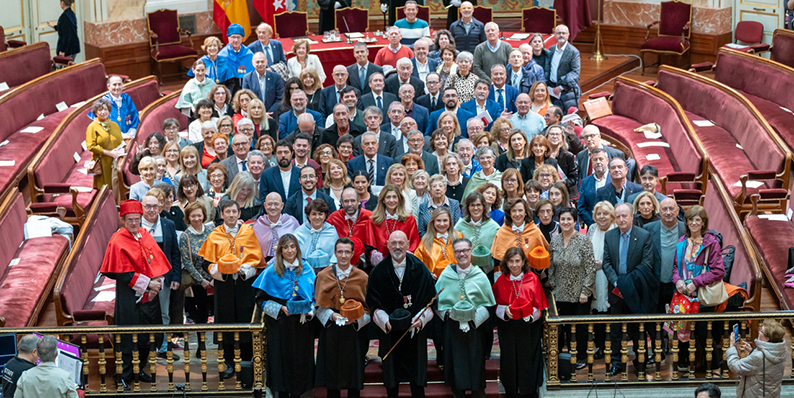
pixel 464 306
pixel 234 294
pixel 399 289
pixel 134 260
pixel 272 225
pixel 239 58
pixel 519 230
pixel 340 292
pixel 286 296
pixel 520 302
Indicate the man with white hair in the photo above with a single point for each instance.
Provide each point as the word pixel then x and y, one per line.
pixel 386 141
pixel 266 44
pixel 466 153
pixel 562 73
pixel 395 50
pixel 493 51
pixel 523 77
pixel 412 28
pixel 405 70
pixel 423 65
pixel 287 121
pixel 416 144
pixel 123 111
pixel 371 161
pixel 412 109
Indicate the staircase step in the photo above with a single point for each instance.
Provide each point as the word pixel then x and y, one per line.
pixel 438 390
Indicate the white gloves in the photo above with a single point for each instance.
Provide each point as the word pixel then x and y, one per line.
pixel 247 271
pixel 464 327
pixel 215 273
pixel 376 257
pixel 381 318
pixel 385 7
pixel 455 3
pixel 340 321
pixel 337 5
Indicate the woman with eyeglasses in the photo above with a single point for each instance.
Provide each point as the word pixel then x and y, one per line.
pixel 335 181
pixel 217 175
pixel 226 127
pixel 222 101
pixel 419 184
pixel 512 185
pixel 267 145
pixel 344 145
pixel 500 134
pixel 566 161
pixel 516 152
pixel 485 157
pixel 493 202
pixel 546 175
pixel 171 133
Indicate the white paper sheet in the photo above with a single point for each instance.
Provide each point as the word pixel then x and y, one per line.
pixel 31 129
pixel 14 261
pixel 703 123
pixel 104 287
pixel 40 117
pixel 653 143
pixel 652 156
pixel 774 217
pixel 83 189
pixel 789 213
pixel 61 106
pixel 36 229
pixel 7 163
pixel 105 296
pixel 76 157
pixel 739 146
pixel 85 148
pixel 4 143
pixel 734 45
pixel 652 136
pixel 3 86
pixel 750 184
pixel 78 104
pixel 786 109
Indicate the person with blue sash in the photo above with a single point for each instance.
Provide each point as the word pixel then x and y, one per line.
pixel 316 237
pixel 123 111
pixel 239 59
pixel 217 67
pixel 286 297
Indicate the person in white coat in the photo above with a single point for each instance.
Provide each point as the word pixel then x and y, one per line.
pixel 762 368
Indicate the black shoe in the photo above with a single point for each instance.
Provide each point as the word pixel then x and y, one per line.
pixel 599 354
pixel 164 355
pixel 144 378
pixel 125 383
pixel 229 372
pixel 651 360
pixel 615 370
pixel 581 365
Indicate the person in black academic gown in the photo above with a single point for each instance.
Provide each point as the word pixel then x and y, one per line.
pixel 401 281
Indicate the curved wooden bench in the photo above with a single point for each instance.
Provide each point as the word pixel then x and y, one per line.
pixel 741 145
pixel 58 184
pixel 782 49
pixel 772 239
pixel 152 118
pixel 683 160
pixel 21 65
pixel 26 285
pixel 22 107
pixel 74 290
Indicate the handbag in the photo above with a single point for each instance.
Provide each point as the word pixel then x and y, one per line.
pixel 187 279
pixel 714 294
pixel 94 167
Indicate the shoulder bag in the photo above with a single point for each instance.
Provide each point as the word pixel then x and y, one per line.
pixel 714 294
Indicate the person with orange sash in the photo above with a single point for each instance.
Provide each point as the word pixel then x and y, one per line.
pixel 134 260
pixel 519 230
pixel 233 257
pixel 435 251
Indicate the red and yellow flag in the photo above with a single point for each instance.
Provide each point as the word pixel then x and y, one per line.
pixel 227 12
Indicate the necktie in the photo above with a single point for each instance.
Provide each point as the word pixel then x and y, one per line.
pixel 624 252
pixel 371 166
pixel 338 95
pixel 308 199
pixel 379 102
pixel 499 97
pixel 269 53
pixel 362 76
pixel 432 103
pixel 515 80
pixel 590 165
pixel 245 167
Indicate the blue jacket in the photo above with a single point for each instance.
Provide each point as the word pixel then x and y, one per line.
pixel 274 88
pixel 328 99
pixel 420 114
pixel 239 62
pixel 383 164
pixel 271 182
pixel 587 198
pixel 219 71
pixel 432 64
pixel 295 205
pixel 510 92
pixel 608 192
pixel 287 122
pixel 463 117
pixel 423 218
pixel 126 116
pixel 531 73
pixel 494 109
pixel 275 48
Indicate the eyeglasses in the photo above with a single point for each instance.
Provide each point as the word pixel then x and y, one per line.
pixel 309 177
pixel 240 144
pixel 544 175
pixel 151 207
pixel 326 153
pixel 245 130
pixel 462 251
pixel 512 180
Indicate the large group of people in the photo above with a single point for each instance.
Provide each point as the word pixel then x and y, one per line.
pixel 342 211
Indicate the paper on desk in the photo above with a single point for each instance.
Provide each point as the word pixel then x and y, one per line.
pixel 14 261
pixel 519 36
pixel 734 45
pixel 32 129
pixel 7 163
pixel 774 217
pixel 78 104
pixel 40 117
pixel 83 189
pixel 61 106
pixel 703 123
pixel 652 136
pixel 653 143
pixel 85 148
pixel 652 156
pixel 105 296
pixel 750 184
pixel 3 86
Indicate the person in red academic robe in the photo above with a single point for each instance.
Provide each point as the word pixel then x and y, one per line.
pixel 134 260
pixel 350 222
pixel 390 215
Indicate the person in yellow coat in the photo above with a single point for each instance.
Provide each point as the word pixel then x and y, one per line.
pixel 519 230
pixel 235 297
pixel 435 250
pixel 102 138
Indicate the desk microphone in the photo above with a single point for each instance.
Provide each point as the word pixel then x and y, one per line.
pixel 349 41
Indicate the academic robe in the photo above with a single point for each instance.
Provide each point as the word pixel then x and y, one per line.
pixel 529 239
pixel 464 352
pixel 341 349
pixel 290 343
pixel 217 70
pixel 378 235
pixel 325 240
pixel 478 179
pixel 238 62
pixel 132 263
pixel 193 92
pixel 521 353
pixel 408 361
pixel 439 256
pixel 126 116
pixel 343 226
pixel 268 233
pixel 479 235
pixel 234 297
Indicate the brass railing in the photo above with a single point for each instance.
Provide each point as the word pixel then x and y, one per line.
pixel 176 381
pixel 748 322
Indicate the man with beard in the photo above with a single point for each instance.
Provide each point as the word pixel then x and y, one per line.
pixel 399 289
pixel 452 104
pixel 284 179
pixel 309 192
pixel 288 121
pixel 350 221
pixel 480 103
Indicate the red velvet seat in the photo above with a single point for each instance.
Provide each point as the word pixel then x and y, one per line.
pixel 423 13
pixel 783 47
pixel 773 239
pixel 635 104
pixel 351 19
pixel 749 35
pixel 25 286
pixel 165 40
pixel 482 14
pixel 761 154
pixel 76 289
pixel 538 20
pixel 24 64
pixel 291 24
pixel 675 20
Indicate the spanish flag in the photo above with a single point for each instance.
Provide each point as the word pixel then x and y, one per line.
pixel 227 12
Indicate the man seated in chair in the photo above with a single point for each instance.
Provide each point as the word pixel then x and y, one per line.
pixel 562 71
pixel 410 27
pixel 239 59
pixel 266 44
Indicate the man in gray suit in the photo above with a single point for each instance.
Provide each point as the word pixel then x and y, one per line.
pixel 362 68
pixel 664 236
pixel 238 162
pixel 376 96
pixel 416 143
pixel 562 68
pixel 386 142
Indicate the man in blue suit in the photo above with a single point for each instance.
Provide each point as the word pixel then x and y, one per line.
pixel 500 92
pixel 592 140
pixel 432 100
pixel 591 184
pixel 451 103
pixel 371 162
pixel 523 77
pixel 267 85
pixel 619 190
pixel 330 95
pixel 308 192
pixel 284 179
pixel 264 44
pixel 362 69
pixel 288 121
pixel 482 103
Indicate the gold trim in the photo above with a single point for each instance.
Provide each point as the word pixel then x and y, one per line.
pixel 685 28
pixel 275 21
pixel 149 28
pixel 523 18
pixel 336 12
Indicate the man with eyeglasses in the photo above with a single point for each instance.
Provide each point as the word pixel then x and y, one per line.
pixel 288 121
pixel 463 307
pixel 620 189
pixel 432 100
pixel 591 184
pixel 387 143
pixel 554 116
pixel 416 145
pixel 332 95
pixel 376 96
pixel 452 104
pixel 171 132
pixel 562 70
pixel 298 201
pixel 592 140
pixel 273 224
pixel 239 162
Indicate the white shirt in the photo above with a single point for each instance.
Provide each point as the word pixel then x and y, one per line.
pixel 286 176
pixel 231 231
pixel 399 269
pixel 240 164
pixel 394 50
pixel 291 266
pixel 374 165
pixel 599 183
pixel 154 229
pixel 117 100
pixel 555 63
pixel 343 274
pixel 480 109
pixel 423 70
pixel 352 218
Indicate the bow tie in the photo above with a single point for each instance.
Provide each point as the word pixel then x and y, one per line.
pixel 476 223
pixel 442 236
pixel 315 231
pixel 291 266
pixel 353 218
pixel 231 231
pixel 392 217
pixel 519 228
pixel 276 224
pixel 520 277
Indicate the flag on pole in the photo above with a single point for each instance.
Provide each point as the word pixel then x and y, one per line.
pixel 269 8
pixel 227 12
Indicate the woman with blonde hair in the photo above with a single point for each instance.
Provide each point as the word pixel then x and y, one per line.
pixel 217 69
pixel 226 126
pixel 263 124
pixel 647 207
pixel 452 168
pixel 312 85
pixel 398 175
pixel 435 250
pixel 303 60
pixel 147 168
pixel 448 121
pixel 546 175
pixel 541 100
pixel 516 152
pixel 391 214
pixel 190 163
pixel 604 217
pixel 171 152
pixel 240 104
pixel 335 181
pixel 243 191
pixel 501 129
pixel 512 184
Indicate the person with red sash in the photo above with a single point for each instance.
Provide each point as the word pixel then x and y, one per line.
pixel 390 215
pixel 350 222
pixel 134 260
